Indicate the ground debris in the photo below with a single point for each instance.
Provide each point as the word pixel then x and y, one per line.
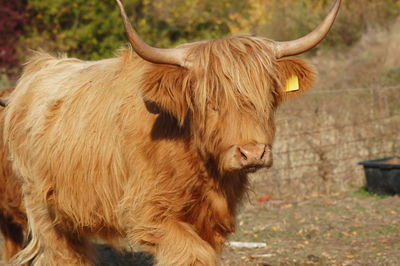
pixel 247 244
pixel 348 231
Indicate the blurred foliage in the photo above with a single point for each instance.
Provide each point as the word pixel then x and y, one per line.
pixel 288 19
pixel 92 29
pixel 88 29
pixel 12 19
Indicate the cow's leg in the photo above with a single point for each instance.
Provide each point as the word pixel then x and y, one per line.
pixel 48 245
pixel 174 243
pixel 13 237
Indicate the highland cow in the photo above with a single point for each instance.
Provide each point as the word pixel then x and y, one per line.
pixel 154 147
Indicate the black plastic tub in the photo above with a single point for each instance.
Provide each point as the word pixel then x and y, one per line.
pixel 383 175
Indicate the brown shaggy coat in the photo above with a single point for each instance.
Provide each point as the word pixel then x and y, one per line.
pixel 13 221
pixel 123 148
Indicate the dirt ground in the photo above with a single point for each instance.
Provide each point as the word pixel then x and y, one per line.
pixel 354 228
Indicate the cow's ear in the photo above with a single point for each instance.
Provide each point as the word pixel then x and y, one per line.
pixel 296 77
pixel 167 87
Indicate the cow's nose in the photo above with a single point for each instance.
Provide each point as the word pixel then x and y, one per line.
pixel 254 155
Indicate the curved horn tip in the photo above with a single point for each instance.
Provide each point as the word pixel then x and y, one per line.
pixel 335 7
pixel 312 39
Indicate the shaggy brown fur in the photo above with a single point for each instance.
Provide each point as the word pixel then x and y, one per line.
pixel 122 148
pixel 13 221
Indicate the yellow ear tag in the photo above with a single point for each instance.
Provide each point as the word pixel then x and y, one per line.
pixel 292 84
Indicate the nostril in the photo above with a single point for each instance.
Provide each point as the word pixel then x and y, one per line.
pixel 264 152
pixel 244 157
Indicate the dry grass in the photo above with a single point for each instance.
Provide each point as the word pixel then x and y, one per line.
pixel 372 62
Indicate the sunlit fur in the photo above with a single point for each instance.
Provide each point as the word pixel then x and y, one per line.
pixel 122 148
pixel 12 214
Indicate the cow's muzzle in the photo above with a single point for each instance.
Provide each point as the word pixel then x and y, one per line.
pixel 253 156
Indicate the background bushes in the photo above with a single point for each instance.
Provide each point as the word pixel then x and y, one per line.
pixel 13 17
pixel 92 29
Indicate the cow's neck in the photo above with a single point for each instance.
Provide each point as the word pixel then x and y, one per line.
pixel 210 199
pixel 166 132
pixel 214 213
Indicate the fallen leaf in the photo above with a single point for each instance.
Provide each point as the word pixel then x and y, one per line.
pixel 326 255
pixel 345 234
pixel 263 199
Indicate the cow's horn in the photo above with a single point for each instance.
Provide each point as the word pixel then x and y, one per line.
pixel 310 40
pixel 174 56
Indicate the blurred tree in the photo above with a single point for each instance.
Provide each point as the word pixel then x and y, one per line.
pixel 84 28
pixel 12 20
pixel 179 21
pixel 288 19
pixel 93 29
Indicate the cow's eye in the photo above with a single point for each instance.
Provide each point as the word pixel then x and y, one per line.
pixel 211 105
